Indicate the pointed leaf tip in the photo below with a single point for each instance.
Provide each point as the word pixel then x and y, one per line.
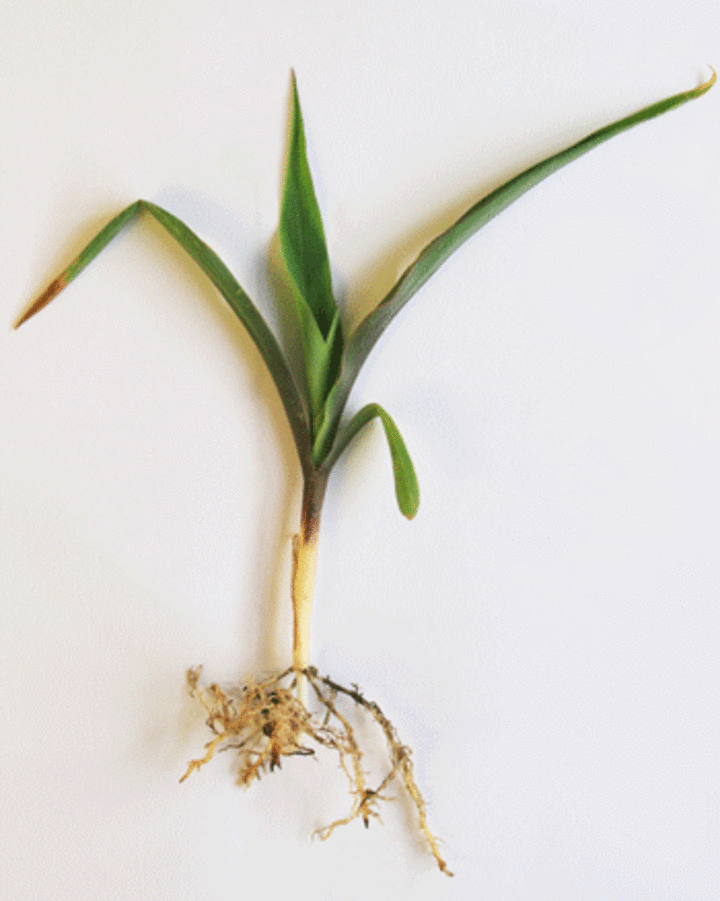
pixel 709 83
pixel 52 290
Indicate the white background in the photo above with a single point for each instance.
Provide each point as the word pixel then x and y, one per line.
pixel 545 634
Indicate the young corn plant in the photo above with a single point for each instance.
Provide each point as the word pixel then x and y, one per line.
pixel 268 718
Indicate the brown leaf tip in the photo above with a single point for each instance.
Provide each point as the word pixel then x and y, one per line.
pixel 52 290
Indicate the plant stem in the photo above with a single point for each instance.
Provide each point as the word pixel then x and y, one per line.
pixel 303 573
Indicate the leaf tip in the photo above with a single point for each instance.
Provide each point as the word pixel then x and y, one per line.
pixel 412 503
pixel 709 83
pixel 52 290
pixel 293 80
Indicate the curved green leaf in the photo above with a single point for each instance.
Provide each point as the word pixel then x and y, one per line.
pixel 437 252
pixel 303 247
pixel 225 282
pixel 407 490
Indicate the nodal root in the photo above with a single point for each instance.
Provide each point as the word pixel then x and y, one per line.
pixel 265 721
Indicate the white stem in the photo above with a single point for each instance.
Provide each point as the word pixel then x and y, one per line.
pixel 303 581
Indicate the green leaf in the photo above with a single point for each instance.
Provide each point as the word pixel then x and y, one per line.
pixel 225 282
pixel 303 247
pixel 437 252
pixel 407 490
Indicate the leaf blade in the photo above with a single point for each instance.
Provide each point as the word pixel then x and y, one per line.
pixel 407 490
pixel 228 286
pixel 441 248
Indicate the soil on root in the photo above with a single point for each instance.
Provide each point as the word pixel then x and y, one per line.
pixel 265 721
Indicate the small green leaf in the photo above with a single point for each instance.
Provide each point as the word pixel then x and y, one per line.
pixel 225 282
pixel 437 252
pixel 303 247
pixel 407 490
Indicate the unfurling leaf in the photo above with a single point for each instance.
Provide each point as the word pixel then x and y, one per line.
pixel 302 243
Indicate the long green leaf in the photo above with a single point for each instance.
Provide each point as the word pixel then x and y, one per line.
pixel 407 490
pixel 303 247
pixel 225 282
pixel 437 252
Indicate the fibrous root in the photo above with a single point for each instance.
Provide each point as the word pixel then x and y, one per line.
pixel 265 721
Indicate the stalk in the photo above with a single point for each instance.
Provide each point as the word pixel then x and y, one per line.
pixel 303 574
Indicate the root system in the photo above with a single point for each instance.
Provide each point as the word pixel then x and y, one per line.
pixel 265 721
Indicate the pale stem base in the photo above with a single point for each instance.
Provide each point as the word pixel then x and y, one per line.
pixel 303 581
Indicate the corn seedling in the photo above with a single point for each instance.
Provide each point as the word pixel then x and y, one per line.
pixel 284 714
